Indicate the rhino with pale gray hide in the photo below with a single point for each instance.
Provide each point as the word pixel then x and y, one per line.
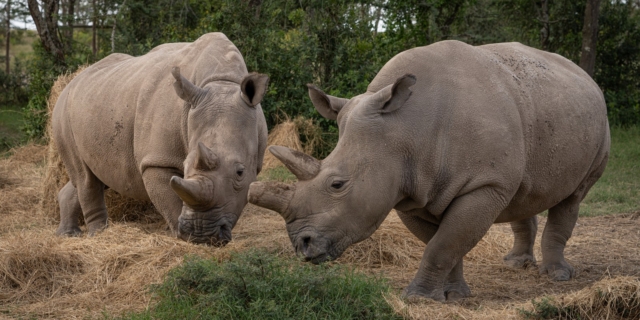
pixel 181 126
pixel 455 138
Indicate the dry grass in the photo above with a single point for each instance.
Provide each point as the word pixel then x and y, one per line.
pixel 609 298
pixel 45 276
pixel 291 133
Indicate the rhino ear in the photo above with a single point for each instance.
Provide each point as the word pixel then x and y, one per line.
pixel 392 97
pixel 303 166
pixel 253 88
pixel 186 90
pixel 328 106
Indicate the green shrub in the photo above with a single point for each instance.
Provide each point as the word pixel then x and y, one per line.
pixel 259 285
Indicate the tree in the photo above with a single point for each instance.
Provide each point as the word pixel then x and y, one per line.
pixel 590 36
pixel 8 17
pixel 47 26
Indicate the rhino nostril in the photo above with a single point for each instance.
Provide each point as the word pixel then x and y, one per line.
pixel 305 245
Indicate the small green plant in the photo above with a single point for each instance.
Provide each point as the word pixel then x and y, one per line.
pixel 258 285
pixel 546 308
pixel 277 174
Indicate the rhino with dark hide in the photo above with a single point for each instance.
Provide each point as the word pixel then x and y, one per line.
pixel 181 126
pixel 455 138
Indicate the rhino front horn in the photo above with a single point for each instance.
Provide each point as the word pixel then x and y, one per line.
pixel 274 196
pixel 194 193
pixel 303 166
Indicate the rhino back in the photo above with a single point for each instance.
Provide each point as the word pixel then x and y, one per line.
pixel 529 121
pixel 125 115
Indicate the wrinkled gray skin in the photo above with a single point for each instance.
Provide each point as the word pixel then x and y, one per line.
pixel 181 126
pixel 480 135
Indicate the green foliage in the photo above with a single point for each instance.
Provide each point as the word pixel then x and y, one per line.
pixel 546 309
pixel 259 285
pixel 277 174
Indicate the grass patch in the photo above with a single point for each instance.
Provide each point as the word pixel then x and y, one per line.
pixel 11 121
pixel 259 285
pixel 278 173
pixel 618 190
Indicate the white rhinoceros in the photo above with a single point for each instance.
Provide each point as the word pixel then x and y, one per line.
pixel 185 116
pixel 455 138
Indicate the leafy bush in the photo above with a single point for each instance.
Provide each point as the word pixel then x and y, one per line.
pixel 258 285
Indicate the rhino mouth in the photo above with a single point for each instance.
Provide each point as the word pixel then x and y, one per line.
pixel 206 228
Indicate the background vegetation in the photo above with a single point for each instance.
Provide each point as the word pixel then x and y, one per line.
pixel 337 44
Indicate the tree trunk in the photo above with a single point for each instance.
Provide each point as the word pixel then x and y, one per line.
pixel 93 30
pixel 69 17
pixel 47 27
pixel 7 58
pixel 590 36
pixel 544 32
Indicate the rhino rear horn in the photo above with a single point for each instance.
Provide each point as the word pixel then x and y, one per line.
pixel 196 193
pixel 328 106
pixel 274 196
pixel 303 166
pixel 186 90
pixel 206 160
pixel 253 88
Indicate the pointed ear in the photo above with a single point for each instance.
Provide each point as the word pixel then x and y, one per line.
pixel 253 87
pixel 392 97
pixel 186 90
pixel 328 106
pixel 303 166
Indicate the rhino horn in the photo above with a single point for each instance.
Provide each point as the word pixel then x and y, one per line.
pixel 303 166
pixel 206 160
pixel 186 90
pixel 274 196
pixel 194 192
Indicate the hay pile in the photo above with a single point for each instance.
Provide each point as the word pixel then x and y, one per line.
pixel 120 208
pixel 609 298
pixel 299 134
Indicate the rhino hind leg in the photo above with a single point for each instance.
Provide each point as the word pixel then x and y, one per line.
pixel 91 198
pixel 70 211
pixel 524 233
pixel 562 219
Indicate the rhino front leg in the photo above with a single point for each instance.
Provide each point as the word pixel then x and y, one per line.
pixel 156 182
pixel 70 211
pixel 455 287
pixel 524 234
pixel 464 223
pixel 562 219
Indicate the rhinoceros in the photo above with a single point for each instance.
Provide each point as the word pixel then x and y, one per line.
pixel 455 138
pixel 181 126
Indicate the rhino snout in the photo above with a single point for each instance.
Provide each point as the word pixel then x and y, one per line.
pixel 194 228
pixel 312 248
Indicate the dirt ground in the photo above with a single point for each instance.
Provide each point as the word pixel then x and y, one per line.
pixel 45 276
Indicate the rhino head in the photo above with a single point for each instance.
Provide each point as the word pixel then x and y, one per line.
pixel 223 157
pixel 344 198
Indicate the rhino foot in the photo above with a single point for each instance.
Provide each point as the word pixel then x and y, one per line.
pixel 523 261
pixel 561 271
pixel 414 293
pixel 456 291
pixel 95 228
pixel 69 231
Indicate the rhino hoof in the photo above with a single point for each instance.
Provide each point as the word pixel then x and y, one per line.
pixel 558 271
pixel 523 261
pixel 69 232
pixel 414 294
pixel 457 291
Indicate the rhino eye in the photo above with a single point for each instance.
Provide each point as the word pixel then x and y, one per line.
pixel 240 172
pixel 337 184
